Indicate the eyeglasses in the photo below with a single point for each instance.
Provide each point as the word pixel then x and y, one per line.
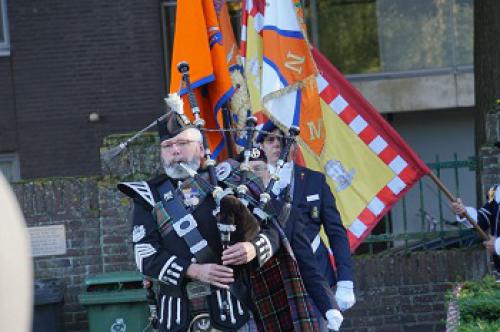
pixel 181 144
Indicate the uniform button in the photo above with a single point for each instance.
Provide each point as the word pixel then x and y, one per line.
pixel 193 260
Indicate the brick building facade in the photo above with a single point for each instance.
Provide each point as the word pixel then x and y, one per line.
pixel 70 59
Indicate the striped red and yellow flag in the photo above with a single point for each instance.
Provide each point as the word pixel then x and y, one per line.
pixel 367 164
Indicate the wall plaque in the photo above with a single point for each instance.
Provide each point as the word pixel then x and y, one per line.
pixel 48 240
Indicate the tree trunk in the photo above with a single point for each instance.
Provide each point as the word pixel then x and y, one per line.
pixel 486 62
pixel 487 90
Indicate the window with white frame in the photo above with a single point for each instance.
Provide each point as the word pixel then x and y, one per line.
pixel 9 166
pixel 4 29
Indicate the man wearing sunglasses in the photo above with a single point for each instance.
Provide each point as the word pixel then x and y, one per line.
pixel 313 199
pixel 314 281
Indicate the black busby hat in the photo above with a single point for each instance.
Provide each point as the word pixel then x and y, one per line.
pixel 172 125
pixel 256 154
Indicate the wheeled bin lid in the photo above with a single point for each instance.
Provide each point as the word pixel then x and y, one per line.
pixel 113 287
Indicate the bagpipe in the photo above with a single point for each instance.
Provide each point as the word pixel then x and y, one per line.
pixel 225 198
pixel 241 212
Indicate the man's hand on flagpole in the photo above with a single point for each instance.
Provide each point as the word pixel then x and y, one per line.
pixel 458 207
pixel 460 210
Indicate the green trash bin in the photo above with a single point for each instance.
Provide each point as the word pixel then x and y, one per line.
pixel 116 302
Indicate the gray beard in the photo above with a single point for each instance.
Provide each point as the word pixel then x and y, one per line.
pixel 175 171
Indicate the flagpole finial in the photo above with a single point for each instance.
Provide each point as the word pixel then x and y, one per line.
pixel 294 131
pixel 251 120
pixel 183 67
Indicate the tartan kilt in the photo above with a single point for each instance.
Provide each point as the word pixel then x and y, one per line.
pixel 280 298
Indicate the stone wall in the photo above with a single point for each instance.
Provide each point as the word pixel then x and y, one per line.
pixel 74 204
pixel 395 293
pixel 408 292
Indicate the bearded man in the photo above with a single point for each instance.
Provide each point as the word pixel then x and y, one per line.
pixel 177 242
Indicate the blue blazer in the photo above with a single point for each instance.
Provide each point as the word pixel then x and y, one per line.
pixel 315 282
pixel 314 201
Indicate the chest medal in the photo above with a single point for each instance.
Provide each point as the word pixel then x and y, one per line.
pixel 191 196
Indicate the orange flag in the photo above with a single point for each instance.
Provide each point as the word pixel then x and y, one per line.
pixel 228 39
pixel 198 41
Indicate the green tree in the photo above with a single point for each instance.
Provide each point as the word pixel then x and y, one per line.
pixel 348 35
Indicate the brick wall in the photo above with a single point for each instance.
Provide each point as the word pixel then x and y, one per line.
pixel 97 227
pixel 408 292
pixel 74 204
pixel 71 58
pixel 394 293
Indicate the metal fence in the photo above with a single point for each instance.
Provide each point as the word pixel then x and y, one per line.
pixel 422 219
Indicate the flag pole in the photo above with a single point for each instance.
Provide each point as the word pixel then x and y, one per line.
pixel 226 124
pixel 452 198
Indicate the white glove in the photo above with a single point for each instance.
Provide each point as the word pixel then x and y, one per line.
pixel 497 246
pixel 334 319
pixel 285 177
pixel 472 213
pixel 345 294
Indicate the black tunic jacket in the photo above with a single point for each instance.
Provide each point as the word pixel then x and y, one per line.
pixel 167 257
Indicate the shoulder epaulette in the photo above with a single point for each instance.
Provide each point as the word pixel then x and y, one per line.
pixel 137 189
